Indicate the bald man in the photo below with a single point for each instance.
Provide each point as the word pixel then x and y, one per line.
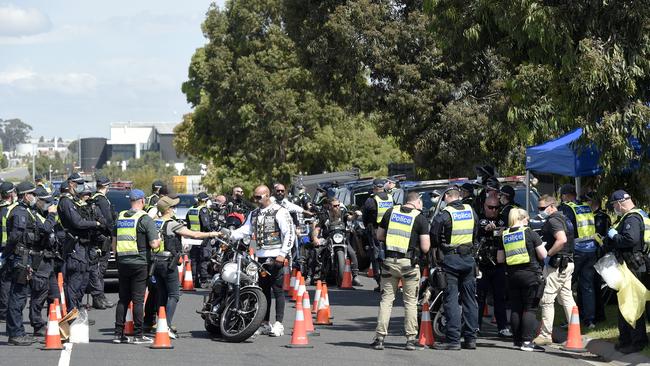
pixel 275 232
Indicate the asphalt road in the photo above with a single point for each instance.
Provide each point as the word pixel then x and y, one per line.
pixel 346 342
pixel 16 174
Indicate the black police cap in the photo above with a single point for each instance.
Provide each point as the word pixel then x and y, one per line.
pixel 202 196
pixel 25 187
pixel 75 177
pixel 6 188
pixel 103 181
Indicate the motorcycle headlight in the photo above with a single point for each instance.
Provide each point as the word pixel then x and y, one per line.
pixel 251 270
pixel 338 238
pixel 246 240
pixel 229 272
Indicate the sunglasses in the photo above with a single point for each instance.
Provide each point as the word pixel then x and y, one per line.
pixel 336 206
pixel 493 207
pixel 257 198
pixel 280 190
pixel 542 208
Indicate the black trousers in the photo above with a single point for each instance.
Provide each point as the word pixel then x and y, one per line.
pixel 132 282
pixel 525 289
pixel 273 283
pixel 494 281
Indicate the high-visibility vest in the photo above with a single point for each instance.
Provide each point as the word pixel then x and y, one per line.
pixel 127 233
pixel 514 244
pixel 646 226
pixel 193 217
pixel 5 236
pixel 383 206
pixel 160 224
pixel 400 225
pixel 462 225
pixel 586 229
pixel 148 206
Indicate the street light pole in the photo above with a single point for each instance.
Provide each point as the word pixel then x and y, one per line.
pixel 33 162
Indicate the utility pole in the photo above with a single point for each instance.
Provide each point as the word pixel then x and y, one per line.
pixel 33 162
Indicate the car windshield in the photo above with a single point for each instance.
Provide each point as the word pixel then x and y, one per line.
pixel 187 200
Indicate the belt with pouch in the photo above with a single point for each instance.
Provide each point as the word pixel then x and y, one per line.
pixel 166 255
pixel 396 255
pixel 464 249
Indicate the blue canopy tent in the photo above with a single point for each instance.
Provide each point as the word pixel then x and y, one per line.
pixel 563 156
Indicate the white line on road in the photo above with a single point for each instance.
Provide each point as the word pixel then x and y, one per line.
pixel 64 360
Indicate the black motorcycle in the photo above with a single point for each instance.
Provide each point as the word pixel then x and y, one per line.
pixel 236 305
pixel 335 253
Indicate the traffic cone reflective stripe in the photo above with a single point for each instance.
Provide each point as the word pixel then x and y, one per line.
pixel 129 326
pixel 302 288
pixel 317 296
pixel 53 335
pixel 57 307
pixel 299 335
pixel 188 281
pixel 180 268
pixel 574 338
pixel 346 283
pixel 296 287
pixel 286 281
pixel 426 327
pixel 323 316
pixel 59 281
pixel 292 282
pixel 371 271
pixel 309 323
pixel 328 308
pixel 162 340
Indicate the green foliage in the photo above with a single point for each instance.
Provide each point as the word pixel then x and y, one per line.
pixel 43 163
pixel 257 116
pixel 142 171
pixel 13 132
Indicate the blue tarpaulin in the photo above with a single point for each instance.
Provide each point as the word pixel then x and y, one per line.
pixel 563 156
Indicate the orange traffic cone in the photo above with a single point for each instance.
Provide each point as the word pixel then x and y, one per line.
pixel 327 303
pixel 323 316
pixel 299 335
pixel 346 283
pixel 425 275
pixel 129 326
pixel 371 271
pixel 59 281
pixel 426 327
pixel 53 336
pixel 296 287
pixel 309 323
pixel 188 281
pixel 180 268
pixel 162 340
pixel 574 338
pixel 319 287
pixel 57 307
pixel 486 311
pixel 286 281
pixel 292 282
pixel 302 288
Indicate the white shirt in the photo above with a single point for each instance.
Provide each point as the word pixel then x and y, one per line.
pixel 287 231
pixel 292 207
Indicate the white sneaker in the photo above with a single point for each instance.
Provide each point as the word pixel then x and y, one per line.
pixel 277 330
pixel 171 333
pixel 264 329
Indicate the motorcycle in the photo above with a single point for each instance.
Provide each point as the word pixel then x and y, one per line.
pixel 335 253
pixel 236 305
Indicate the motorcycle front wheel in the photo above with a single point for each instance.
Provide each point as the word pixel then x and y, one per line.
pixel 239 325
pixel 340 266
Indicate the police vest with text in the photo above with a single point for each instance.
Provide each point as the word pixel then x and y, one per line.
pixel 127 235
pixel 514 244
pixel 171 244
pixel 383 205
pixel 585 232
pixel 462 226
pixel 194 217
pixel 400 227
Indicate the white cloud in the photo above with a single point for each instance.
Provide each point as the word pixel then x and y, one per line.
pixel 19 22
pixel 58 34
pixel 66 83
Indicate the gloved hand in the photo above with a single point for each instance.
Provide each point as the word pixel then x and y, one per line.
pixel 611 233
pixel 546 260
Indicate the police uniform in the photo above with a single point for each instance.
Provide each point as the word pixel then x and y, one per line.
pixel 198 219
pixel 373 211
pixel 454 232
pixel 6 189
pixel 105 208
pixel 584 256
pixel 76 244
pixel 134 231
pixel 629 238
pixel 525 282
pixel 403 225
pixel 96 249
pixel 24 231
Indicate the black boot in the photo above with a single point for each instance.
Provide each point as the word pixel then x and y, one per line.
pixel 98 303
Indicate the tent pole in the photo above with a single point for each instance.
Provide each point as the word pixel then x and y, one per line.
pixel 528 208
pixel 578 187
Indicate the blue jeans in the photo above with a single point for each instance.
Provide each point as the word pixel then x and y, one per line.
pixel 461 280
pixel 584 275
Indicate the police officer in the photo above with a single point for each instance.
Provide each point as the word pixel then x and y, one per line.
pixel 493 274
pixel 41 182
pixel 275 235
pixel 134 234
pixel 558 268
pixel 78 230
pixel 522 250
pixel 405 232
pixel 467 194
pixel 8 193
pixel 152 199
pixel 105 208
pixel 199 219
pixel 507 201
pixel 24 232
pixel 390 187
pixel 602 222
pixel 373 211
pixel 167 255
pixel 43 276
pixel 629 237
pixel 585 251
pixel 454 232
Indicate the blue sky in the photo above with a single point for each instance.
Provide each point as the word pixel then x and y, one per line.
pixel 70 67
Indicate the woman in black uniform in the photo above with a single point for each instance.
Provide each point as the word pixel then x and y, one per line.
pixel 522 251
